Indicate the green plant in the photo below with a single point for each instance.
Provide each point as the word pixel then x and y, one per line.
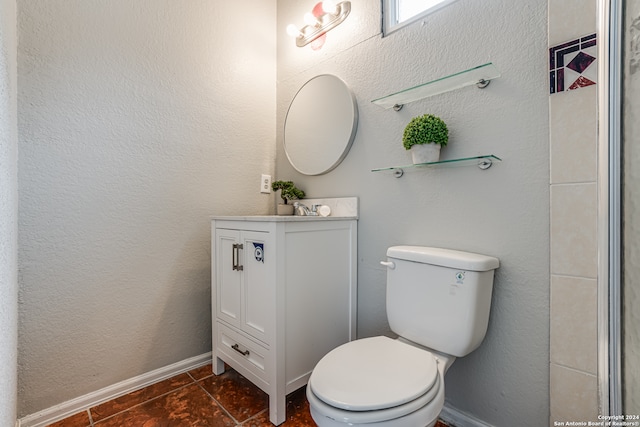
pixel 425 129
pixel 288 190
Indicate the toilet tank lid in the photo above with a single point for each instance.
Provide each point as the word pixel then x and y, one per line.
pixel 444 257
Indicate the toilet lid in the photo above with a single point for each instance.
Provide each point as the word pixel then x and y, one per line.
pixel 373 373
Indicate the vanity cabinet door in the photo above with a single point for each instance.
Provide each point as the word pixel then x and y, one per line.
pixel 245 291
pixel 228 277
pixel 258 285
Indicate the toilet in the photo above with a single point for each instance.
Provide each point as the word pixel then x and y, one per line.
pixel 438 303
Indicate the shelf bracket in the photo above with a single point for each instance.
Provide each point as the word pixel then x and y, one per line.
pixel 398 173
pixel 485 164
pixel 482 83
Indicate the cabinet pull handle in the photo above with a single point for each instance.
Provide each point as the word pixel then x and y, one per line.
pixel 236 347
pixel 235 256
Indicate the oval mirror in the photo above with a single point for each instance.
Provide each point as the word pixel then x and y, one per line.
pixel 320 125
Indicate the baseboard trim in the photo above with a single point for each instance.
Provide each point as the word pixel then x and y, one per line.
pixel 457 418
pixel 73 406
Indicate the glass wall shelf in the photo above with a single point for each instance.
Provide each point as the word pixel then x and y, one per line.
pixel 480 75
pixel 483 162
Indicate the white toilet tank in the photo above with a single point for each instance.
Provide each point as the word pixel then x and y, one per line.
pixel 439 298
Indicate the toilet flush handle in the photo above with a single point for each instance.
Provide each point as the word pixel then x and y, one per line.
pixel 389 264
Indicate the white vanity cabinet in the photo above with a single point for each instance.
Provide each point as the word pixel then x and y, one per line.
pixel 283 295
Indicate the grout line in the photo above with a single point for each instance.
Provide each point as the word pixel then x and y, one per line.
pixel 218 403
pixel 570 276
pixel 90 418
pixel 196 379
pixel 256 416
pixel 571 368
pixel 568 184
pixel 141 403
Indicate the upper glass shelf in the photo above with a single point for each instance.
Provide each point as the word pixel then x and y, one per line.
pixel 480 75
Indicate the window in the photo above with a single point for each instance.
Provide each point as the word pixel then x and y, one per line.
pixel 398 13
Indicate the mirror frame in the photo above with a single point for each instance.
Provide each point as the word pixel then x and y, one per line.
pixel 348 141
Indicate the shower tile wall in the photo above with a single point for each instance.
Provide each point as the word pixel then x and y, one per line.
pixel 631 203
pixel 573 180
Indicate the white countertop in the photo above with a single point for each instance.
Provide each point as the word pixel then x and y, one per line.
pixel 281 218
pixel 341 208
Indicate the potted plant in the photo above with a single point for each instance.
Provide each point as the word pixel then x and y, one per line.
pixel 424 136
pixel 288 191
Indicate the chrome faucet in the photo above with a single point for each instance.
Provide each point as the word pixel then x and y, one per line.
pixel 302 210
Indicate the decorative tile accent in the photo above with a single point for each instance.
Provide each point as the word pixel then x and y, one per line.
pixel 573 64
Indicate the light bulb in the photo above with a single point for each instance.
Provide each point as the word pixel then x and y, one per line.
pixel 293 31
pixel 329 6
pixel 309 19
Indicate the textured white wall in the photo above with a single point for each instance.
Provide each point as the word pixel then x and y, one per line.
pixel 8 214
pixel 138 120
pixel 502 212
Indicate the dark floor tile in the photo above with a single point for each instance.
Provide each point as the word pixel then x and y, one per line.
pixel 80 419
pixel 260 420
pixel 181 402
pixel 202 372
pixel 189 406
pixel 236 394
pixel 137 397
pixel 298 414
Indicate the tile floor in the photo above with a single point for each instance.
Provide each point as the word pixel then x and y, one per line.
pixel 195 398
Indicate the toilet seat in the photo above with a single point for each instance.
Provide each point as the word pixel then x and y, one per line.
pixel 375 374
pixel 426 408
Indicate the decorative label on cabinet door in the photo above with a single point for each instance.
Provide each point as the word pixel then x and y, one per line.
pixel 258 251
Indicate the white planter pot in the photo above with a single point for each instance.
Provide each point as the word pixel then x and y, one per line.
pixel 425 153
pixel 285 209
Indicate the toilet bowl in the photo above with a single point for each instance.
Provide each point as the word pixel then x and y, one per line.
pixel 438 303
pixel 378 382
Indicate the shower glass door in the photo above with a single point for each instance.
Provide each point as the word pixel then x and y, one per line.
pixel 630 358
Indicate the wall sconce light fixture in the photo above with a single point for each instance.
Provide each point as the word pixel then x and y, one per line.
pixel 324 16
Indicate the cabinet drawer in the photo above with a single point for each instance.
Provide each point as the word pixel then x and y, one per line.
pixel 246 353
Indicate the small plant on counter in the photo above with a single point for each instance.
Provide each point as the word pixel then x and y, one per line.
pixel 426 129
pixel 288 190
